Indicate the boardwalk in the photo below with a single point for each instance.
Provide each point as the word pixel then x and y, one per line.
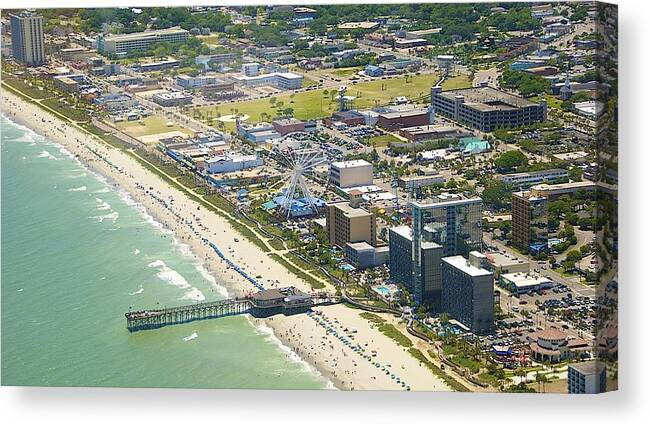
pixel 153 319
pixel 286 301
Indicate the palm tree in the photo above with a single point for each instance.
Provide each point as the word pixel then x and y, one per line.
pixel 521 373
pixel 541 379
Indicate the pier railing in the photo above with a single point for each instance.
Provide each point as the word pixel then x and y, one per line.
pixel 158 318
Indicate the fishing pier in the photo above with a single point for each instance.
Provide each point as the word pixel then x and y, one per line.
pixel 269 302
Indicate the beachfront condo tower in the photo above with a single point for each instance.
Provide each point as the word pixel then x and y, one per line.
pixel 27 42
pixel 451 222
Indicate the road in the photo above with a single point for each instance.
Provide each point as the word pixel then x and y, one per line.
pixel 490 75
pixel 572 283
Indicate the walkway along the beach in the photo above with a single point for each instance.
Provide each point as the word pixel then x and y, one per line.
pixel 257 305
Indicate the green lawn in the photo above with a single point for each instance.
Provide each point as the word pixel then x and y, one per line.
pixel 27 88
pixel 457 82
pixel 211 39
pixel 383 140
pixel 314 104
pixel 489 379
pixel 308 82
pixel 148 126
pixel 70 111
pixel 473 365
pixel 552 101
pixel 342 73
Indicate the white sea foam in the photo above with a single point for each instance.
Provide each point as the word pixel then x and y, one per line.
pixel 136 252
pixel 25 138
pixel 113 216
pixel 103 190
pixel 184 248
pixel 102 205
pixel 76 189
pixel 79 175
pixel 173 277
pixel 46 154
pixel 20 290
pixel 209 277
pixel 191 337
pixel 30 134
pixel 139 291
pixel 126 197
pixel 268 333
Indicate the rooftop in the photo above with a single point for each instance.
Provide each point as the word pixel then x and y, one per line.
pixel 498 259
pixel 172 95
pixel 350 211
pixel 488 99
pixel 400 114
pixel 288 121
pixel 289 76
pixel 272 294
pixel 552 334
pixel 355 25
pixel 446 200
pixel 535 173
pixel 361 246
pixel 403 230
pixel 460 263
pixel 351 164
pixel 416 130
pixel 145 34
pixel 525 279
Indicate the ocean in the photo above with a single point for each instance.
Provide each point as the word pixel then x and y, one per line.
pixel 76 255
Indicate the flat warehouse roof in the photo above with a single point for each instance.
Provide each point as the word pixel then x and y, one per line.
pixel 145 34
pixel 488 98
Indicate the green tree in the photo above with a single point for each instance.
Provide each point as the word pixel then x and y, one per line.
pixel 510 160
pixel 574 256
pixel 497 194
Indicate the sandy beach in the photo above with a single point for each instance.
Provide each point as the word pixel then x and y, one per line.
pixel 190 222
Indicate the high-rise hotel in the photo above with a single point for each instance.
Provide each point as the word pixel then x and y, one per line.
pixel 27 41
pixel 451 222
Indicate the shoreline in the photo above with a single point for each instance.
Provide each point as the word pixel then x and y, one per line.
pixel 222 285
pixel 189 222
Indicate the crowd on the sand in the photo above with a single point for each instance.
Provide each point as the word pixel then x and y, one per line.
pixel 183 219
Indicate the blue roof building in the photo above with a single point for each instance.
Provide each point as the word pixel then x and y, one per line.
pixel 373 71
pixel 473 145
pixel 299 207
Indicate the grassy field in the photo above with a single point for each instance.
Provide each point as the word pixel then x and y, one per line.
pixel 315 104
pixel 383 140
pixel 552 101
pixel 211 39
pixel 308 82
pixel 27 88
pixel 149 126
pixel 457 82
pixel 342 73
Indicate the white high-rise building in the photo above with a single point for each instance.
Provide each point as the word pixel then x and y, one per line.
pixel 351 173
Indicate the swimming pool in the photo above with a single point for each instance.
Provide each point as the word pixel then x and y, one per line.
pixel 383 290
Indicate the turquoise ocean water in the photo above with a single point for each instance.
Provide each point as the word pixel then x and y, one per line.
pixel 76 255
